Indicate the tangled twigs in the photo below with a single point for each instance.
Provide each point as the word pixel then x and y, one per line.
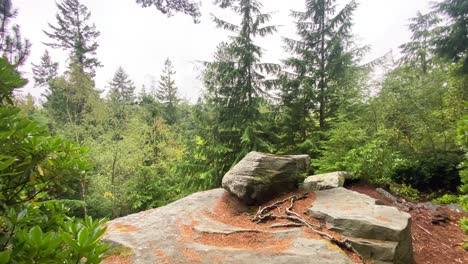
pixel 296 220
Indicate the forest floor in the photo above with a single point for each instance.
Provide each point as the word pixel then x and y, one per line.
pixel 432 243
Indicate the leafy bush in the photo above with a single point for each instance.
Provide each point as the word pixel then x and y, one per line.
pixel 35 166
pixel 430 173
pixel 44 234
pixel 446 199
pixel 404 190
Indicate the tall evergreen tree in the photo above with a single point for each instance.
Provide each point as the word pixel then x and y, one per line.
pixel 122 89
pixel 45 71
pixel 166 92
pixel 322 54
pixel 452 39
pixel 236 84
pixel 420 49
pixel 66 100
pixel 12 46
pixel 75 34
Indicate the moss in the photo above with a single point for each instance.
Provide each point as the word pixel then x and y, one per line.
pixel 119 250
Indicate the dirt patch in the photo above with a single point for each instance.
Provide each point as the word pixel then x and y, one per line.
pixel 432 244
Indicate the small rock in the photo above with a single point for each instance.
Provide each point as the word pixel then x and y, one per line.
pixel 325 181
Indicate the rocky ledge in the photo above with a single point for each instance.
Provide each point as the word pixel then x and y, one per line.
pixel 335 225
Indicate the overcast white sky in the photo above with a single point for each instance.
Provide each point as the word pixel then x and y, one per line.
pixel 140 39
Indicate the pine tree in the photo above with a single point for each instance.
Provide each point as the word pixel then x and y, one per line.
pixel 75 34
pixel 122 89
pixel 420 49
pixel 45 71
pixel 322 54
pixel 166 92
pixel 12 46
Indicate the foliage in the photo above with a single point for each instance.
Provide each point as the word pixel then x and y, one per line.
pixel 420 49
pixel 321 58
pixel 73 33
pixel 34 167
pixel 462 200
pixel 451 39
pixel 168 7
pixel 9 80
pixel 12 46
pixel 122 89
pixel 464 227
pixel 44 234
pixel 464 224
pixel 166 93
pixel 405 190
pixel 46 71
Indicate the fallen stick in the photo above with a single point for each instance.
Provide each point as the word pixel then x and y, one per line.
pixel 424 230
pixel 287 225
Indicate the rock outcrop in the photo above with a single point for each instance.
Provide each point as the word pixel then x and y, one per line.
pixel 325 181
pixel 186 231
pixel 258 177
pixel 380 233
pixel 216 226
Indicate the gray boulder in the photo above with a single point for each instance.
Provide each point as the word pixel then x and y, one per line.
pixel 258 177
pixel 382 233
pixel 178 232
pixel 325 181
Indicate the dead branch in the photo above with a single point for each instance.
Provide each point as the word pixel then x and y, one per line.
pixel 287 225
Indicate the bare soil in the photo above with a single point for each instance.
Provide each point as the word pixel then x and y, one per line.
pixel 432 243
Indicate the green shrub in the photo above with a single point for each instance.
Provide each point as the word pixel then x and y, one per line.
pixel 404 190
pixel 446 199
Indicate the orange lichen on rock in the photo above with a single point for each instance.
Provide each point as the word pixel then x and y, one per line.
pixel 122 228
pixel 383 219
pixel 163 258
pixel 192 255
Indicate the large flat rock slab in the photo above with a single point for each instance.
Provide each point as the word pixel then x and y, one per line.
pixel 358 216
pixel 184 232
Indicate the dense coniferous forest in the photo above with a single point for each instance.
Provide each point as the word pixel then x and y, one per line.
pixel 85 155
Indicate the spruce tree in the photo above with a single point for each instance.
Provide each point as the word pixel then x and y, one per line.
pixel 321 55
pixel 451 40
pixel 419 50
pixel 122 89
pixel 45 71
pixel 75 34
pixel 236 87
pixel 166 92
pixel 12 46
